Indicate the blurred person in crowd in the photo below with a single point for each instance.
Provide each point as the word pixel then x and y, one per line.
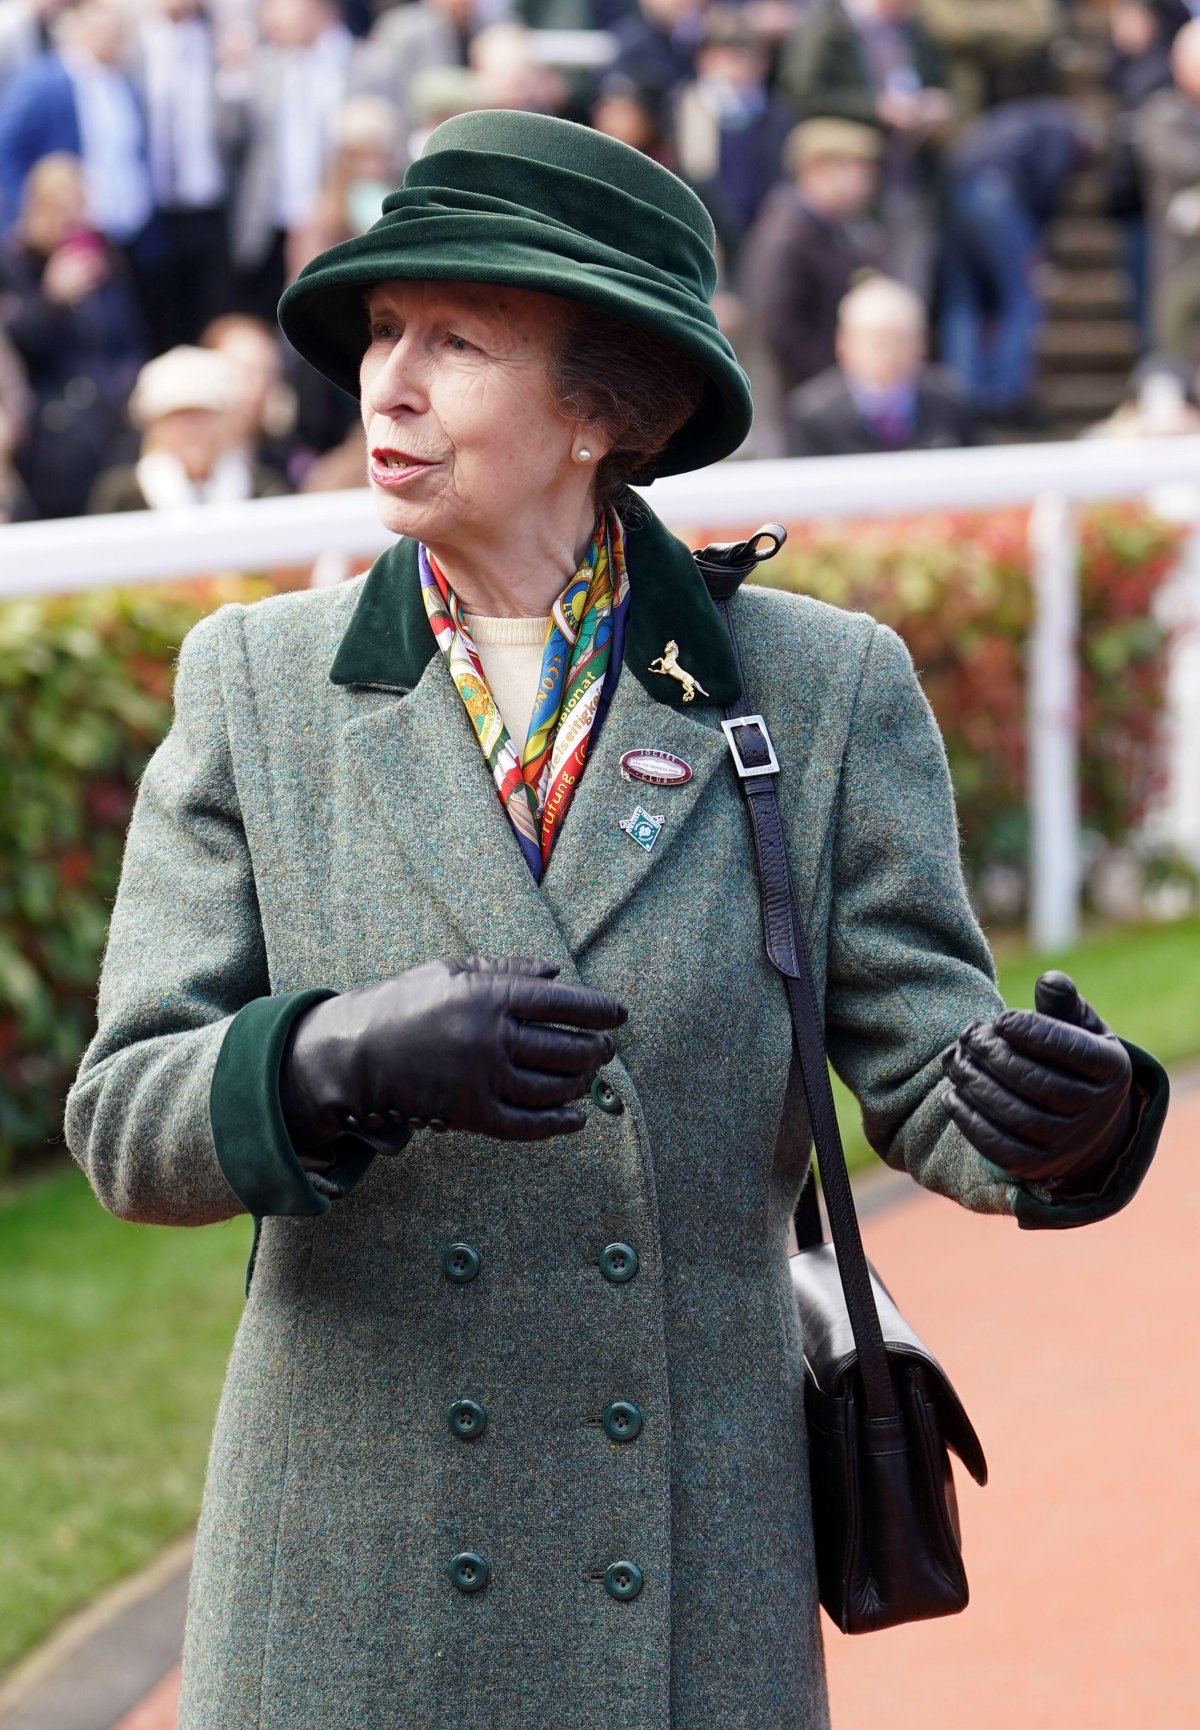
pixel 880 396
pixel 503 60
pixel 16 403
pixel 1006 178
pixel 874 62
pixel 1140 63
pixel 25 33
pixel 280 130
pixel 811 239
pixel 1162 402
pixel 407 40
pixel 636 117
pixel 437 94
pixel 174 63
pixel 79 98
pixel 728 128
pixel 657 43
pixel 993 51
pixel 184 405
pixel 72 314
pixel 1166 141
pixel 364 168
pixel 263 418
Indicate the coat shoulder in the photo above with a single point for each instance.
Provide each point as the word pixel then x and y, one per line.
pixel 801 632
pixel 290 629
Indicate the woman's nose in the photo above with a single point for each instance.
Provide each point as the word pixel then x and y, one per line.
pixel 399 383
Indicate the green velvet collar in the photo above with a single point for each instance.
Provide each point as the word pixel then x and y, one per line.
pixel 388 642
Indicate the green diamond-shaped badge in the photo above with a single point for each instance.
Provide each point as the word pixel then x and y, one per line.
pixel 642 827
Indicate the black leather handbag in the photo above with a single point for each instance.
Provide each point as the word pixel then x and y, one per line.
pixel 881 1412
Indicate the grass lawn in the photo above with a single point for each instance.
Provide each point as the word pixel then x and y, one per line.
pixel 111 1358
pixel 116 1335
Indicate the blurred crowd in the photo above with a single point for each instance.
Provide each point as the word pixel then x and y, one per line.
pixel 881 175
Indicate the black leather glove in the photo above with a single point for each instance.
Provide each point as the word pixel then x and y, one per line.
pixel 1045 1094
pixel 451 1044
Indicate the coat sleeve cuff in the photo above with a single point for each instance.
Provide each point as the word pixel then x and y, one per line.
pixel 250 1135
pixel 1151 1090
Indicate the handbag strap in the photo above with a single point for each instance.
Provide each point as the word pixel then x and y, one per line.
pixel 757 766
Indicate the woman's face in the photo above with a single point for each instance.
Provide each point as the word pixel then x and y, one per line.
pixel 463 432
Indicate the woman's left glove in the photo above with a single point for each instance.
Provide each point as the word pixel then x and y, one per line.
pixel 1045 1094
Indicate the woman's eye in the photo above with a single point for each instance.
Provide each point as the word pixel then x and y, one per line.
pixel 382 330
pixel 459 344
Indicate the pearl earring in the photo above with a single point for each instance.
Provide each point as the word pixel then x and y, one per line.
pixel 583 455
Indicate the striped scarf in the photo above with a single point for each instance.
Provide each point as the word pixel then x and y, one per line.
pixel 581 662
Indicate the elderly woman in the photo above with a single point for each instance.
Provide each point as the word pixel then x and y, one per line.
pixel 437 950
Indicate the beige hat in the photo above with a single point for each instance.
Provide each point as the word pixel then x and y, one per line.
pixel 437 92
pixel 813 138
pixel 184 377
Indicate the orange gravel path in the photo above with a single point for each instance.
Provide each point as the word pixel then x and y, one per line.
pixel 1076 1355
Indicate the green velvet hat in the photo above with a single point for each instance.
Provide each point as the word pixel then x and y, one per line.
pixel 527 200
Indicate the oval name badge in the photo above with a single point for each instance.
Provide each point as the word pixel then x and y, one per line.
pixel 660 768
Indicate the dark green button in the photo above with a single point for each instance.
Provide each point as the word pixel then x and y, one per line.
pixel 467 1419
pixel 618 1262
pixel 622 1420
pixel 461 1262
pixel 622 1579
pixel 468 1571
pixel 607 1097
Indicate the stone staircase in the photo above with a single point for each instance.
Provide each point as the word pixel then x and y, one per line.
pixel 1088 344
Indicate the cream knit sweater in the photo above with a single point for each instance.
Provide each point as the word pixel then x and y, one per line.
pixel 511 652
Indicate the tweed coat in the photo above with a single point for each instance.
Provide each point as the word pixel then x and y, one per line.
pixel 319 817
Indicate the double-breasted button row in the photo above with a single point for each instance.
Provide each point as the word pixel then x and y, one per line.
pixel 468 1572
pixel 618 1262
pixel 621 1420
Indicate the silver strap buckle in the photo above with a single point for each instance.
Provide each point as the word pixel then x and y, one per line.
pixel 747 772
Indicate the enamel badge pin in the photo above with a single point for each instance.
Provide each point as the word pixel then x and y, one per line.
pixel 668 665
pixel 642 827
pixel 660 768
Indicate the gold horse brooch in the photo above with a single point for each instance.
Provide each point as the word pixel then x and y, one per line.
pixel 668 665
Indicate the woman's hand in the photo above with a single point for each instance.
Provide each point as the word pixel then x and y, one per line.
pixel 1045 1094
pixel 497 1048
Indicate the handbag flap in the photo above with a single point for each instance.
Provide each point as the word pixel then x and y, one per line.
pixel 831 1355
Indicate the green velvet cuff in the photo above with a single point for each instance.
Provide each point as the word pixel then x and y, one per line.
pixel 254 1150
pixel 1151 1091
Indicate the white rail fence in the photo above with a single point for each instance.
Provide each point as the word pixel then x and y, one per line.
pixel 145 546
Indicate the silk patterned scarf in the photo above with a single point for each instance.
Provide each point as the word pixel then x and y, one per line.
pixel 581 662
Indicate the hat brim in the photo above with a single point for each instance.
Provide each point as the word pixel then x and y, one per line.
pixel 322 315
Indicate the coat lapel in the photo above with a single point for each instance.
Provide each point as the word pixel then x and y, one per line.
pixel 430 786
pixel 595 866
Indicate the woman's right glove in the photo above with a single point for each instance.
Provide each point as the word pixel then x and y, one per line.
pixel 496 1048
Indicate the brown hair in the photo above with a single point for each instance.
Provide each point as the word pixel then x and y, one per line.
pixel 637 388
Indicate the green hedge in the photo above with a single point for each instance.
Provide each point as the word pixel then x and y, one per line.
pixel 958 590
pixel 85 696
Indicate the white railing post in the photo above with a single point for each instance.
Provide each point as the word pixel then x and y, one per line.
pixel 1053 725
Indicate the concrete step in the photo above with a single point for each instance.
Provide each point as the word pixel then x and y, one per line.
pixel 1081 242
pixel 1087 194
pixel 1079 397
pixel 1086 294
pixel 1088 345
